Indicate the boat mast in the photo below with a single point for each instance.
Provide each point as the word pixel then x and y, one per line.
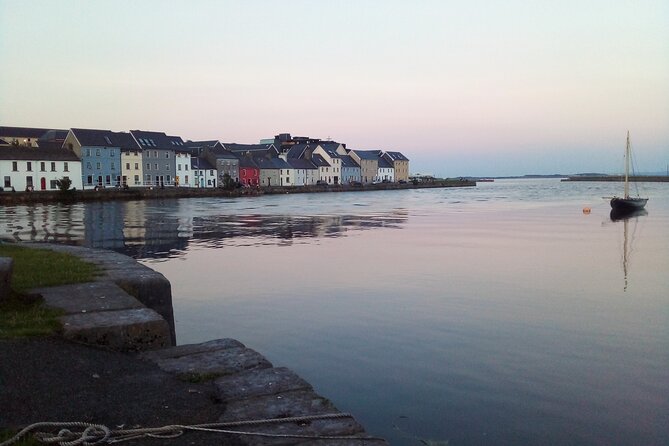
pixel 627 166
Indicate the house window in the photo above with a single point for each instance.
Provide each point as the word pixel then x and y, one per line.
pixel 66 167
pixel 169 179
pixel 29 181
pixel 88 152
pixel 113 165
pixel 15 166
pixel 136 179
pixel 53 167
pixel 186 167
pixel 148 166
pixel 89 179
pixel 127 166
pixel 136 166
pixel 99 180
pixel 29 166
pixel 147 182
pixel 97 165
pixel 211 172
pixel 42 166
pixel 186 179
pixel 155 166
pixel 167 167
pixel 8 182
pixel 167 154
pixel 155 154
pixel 111 152
pixel 97 152
pixel 135 153
pixel 108 180
pixel 178 166
pixel 89 166
pixel 52 184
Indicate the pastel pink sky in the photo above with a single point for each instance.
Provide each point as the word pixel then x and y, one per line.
pixel 462 88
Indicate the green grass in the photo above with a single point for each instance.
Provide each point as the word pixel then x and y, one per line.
pixel 35 268
pixel 22 315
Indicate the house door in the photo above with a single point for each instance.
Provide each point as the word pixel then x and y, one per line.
pixel 42 183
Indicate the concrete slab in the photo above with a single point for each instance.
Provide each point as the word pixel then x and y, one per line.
pixel 212 364
pixel 254 383
pixel 124 330
pixel 191 349
pixel 87 297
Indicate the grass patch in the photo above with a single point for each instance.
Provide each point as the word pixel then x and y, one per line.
pixel 34 268
pixel 23 315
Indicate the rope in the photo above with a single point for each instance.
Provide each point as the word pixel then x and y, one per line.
pixel 93 434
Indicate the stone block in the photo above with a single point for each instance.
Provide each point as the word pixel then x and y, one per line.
pixel 190 349
pixel 87 297
pixel 6 269
pixel 289 404
pixel 211 364
pixel 263 382
pixel 124 330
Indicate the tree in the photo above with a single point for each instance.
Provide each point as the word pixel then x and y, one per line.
pixel 64 184
pixel 228 182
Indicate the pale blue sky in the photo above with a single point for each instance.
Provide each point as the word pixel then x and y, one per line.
pixel 480 87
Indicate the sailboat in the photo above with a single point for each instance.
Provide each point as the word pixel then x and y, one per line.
pixel 627 203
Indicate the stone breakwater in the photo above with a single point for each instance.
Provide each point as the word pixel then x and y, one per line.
pixel 129 308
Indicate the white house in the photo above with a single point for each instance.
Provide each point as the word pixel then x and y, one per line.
pixel 28 168
pixel 386 171
pixel 183 176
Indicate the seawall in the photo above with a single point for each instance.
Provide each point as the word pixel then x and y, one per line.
pixel 73 196
pixel 128 308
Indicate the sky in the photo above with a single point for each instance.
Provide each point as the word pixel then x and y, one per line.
pixel 482 88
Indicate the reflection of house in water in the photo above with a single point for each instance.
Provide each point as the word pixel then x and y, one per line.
pixel 104 224
pixel 222 229
pixel 55 223
pixel 164 228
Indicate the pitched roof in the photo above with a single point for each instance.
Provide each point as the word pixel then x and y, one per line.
pixel 3 142
pixel 200 163
pixel 347 161
pixel 248 162
pixel 219 152
pixel 264 162
pixel 297 150
pixel 330 149
pixel 300 163
pixel 37 154
pixel 319 160
pixel 384 163
pixel 234 147
pixel 104 138
pixel 368 154
pixel 28 132
pixel 158 140
pixel 395 156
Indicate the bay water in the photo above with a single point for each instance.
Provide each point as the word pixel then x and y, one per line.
pixel 498 314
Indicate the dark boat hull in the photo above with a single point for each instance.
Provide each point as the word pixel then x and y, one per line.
pixel 628 204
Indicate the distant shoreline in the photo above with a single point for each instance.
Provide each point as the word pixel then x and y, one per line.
pixel 110 194
pixel 619 178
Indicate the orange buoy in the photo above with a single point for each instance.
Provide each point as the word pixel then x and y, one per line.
pixel 586 210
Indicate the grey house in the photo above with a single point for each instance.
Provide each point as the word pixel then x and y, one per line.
pixel 158 156
pixel 224 161
pixel 350 170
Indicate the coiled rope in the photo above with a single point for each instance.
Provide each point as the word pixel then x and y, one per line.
pixel 92 434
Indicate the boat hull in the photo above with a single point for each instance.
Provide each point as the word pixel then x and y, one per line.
pixel 628 204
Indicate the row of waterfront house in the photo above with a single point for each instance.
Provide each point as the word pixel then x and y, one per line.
pixel 36 158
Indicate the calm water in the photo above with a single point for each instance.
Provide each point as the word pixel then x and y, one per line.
pixel 500 314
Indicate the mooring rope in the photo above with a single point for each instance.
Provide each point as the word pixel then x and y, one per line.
pixel 93 434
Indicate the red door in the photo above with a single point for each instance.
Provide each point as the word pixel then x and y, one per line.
pixel 42 183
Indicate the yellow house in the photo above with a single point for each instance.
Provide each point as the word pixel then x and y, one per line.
pixel 400 163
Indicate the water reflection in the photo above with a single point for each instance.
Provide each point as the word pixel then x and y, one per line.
pixel 628 238
pixel 166 228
